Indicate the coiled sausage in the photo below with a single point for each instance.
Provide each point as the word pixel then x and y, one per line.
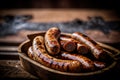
pixel 96 50
pixel 51 40
pixel 44 58
pixel 87 64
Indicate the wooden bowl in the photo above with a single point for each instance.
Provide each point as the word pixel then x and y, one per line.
pixel 46 73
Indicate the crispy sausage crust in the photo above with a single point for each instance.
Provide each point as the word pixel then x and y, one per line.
pixel 44 58
pixel 80 47
pixel 87 64
pixel 96 50
pixel 99 64
pixel 69 46
pixel 51 40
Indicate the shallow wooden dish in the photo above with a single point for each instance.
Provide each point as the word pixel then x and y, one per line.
pixel 46 73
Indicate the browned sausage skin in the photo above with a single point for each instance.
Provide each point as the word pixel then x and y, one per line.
pixel 68 45
pixel 51 40
pixel 87 64
pixel 30 52
pixel 96 50
pixel 99 64
pixel 44 58
pixel 81 48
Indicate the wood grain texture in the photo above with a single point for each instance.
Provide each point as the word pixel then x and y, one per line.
pixel 63 15
pixel 12 69
pixel 58 15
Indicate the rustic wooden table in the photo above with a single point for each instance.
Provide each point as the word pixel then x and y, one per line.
pixel 9 60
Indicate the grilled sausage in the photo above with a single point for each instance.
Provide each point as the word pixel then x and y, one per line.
pixel 30 52
pixel 81 48
pixel 96 50
pixel 68 45
pixel 51 40
pixel 87 64
pixel 44 58
pixel 99 64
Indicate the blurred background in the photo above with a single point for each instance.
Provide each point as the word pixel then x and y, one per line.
pixel 95 4
pixel 57 11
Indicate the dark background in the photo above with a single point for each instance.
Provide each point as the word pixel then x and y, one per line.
pixel 96 4
pixel 62 4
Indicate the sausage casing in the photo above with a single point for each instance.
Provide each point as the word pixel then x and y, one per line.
pixel 51 40
pixel 68 45
pixel 30 52
pixel 96 50
pixel 44 58
pixel 87 64
pixel 80 47
pixel 99 64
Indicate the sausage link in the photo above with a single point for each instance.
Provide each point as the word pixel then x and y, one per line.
pixel 44 58
pixel 30 52
pixel 81 48
pixel 99 64
pixel 96 50
pixel 51 40
pixel 68 45
pixel 87 64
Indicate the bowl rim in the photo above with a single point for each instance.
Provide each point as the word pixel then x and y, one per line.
pixel 24 56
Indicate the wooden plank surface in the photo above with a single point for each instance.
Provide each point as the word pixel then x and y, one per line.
pixel 12 69
pixel 62 15
pixel 58 15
